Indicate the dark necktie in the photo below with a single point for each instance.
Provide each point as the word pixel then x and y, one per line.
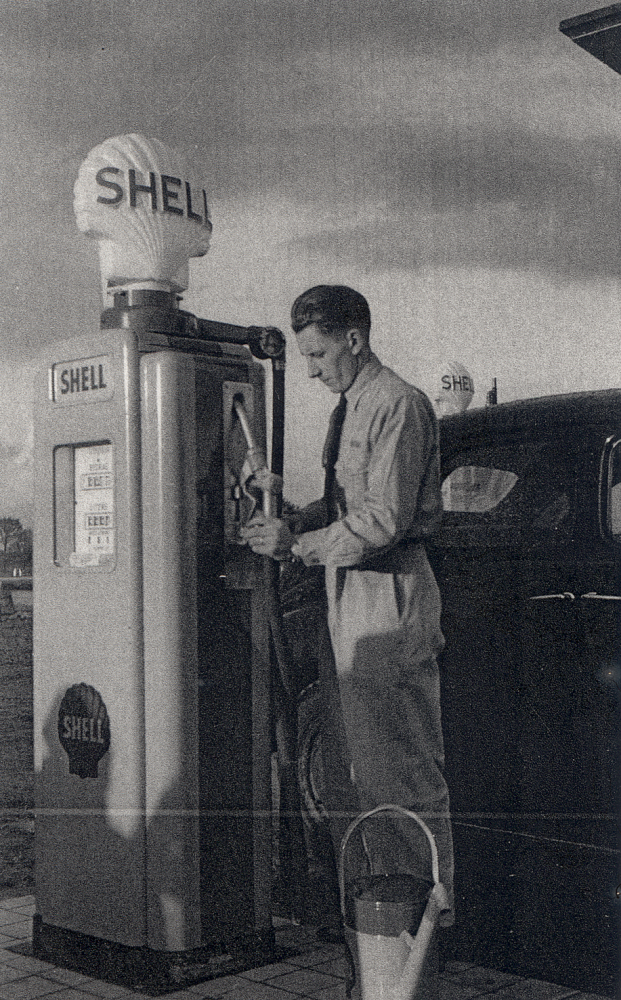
pixel 330 456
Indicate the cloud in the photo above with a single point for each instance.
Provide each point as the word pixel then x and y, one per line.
pixel 16 484
pixel 501 197
pixel 16 441
pixel 502 238
pixel 206 73
pixel 48 283
pixel 387 133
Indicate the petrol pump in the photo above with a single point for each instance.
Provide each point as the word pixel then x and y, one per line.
pixel 151 634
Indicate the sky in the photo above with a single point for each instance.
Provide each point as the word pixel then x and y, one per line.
pixel 458 162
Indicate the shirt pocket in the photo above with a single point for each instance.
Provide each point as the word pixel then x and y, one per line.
pixel 351 474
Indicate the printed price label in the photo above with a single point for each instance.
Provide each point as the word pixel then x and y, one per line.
pixel 94 505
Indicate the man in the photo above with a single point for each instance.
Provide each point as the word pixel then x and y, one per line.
pixel 382 500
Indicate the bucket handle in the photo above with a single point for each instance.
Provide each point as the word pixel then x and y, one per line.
pixel 399 811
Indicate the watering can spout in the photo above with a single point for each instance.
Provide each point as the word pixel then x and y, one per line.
pixel 408 984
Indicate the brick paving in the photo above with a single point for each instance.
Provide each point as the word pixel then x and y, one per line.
pixel 318 972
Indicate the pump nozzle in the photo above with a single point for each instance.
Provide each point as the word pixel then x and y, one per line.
pixel 255 457
pixel 242 416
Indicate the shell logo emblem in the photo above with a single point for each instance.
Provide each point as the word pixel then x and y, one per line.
pixel 83 729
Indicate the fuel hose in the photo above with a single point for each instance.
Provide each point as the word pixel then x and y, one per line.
pixel 271 344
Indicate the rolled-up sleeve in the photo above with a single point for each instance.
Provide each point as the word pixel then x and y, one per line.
pixel 383 463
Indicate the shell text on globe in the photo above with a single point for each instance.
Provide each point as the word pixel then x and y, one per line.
pixel 163 193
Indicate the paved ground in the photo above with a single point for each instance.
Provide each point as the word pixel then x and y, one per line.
pixel 317 972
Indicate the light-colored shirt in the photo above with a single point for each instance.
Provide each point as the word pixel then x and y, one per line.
pixel 378 579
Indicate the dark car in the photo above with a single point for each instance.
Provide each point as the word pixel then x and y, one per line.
pixel 528 562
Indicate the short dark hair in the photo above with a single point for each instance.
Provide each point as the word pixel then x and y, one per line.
pixel 333 307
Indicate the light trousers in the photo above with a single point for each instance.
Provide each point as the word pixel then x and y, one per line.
pixel 382 728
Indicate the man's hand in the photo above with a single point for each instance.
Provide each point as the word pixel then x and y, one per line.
pixel 268 536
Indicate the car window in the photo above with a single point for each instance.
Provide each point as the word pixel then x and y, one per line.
pixel 615 510
pixel 476 489
pixel 507 494
pixel 615 493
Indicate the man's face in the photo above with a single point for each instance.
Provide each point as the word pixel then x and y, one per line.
pixel 332 361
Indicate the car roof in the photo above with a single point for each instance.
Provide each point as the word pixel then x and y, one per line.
pixel 568 409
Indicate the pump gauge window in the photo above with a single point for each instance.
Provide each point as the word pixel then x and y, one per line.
pixel 84 502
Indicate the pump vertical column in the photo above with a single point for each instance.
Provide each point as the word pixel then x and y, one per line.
pixel 88 658
pixel 170 650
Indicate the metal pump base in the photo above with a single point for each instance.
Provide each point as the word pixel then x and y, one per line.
pixel 155 972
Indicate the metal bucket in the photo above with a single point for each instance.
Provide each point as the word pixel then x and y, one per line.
pixel 387 904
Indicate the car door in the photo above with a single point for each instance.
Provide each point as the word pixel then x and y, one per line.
pixel 529 717
pixel 566 862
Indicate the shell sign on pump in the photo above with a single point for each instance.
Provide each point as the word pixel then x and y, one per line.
pixel 148 208
pixel 82 380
